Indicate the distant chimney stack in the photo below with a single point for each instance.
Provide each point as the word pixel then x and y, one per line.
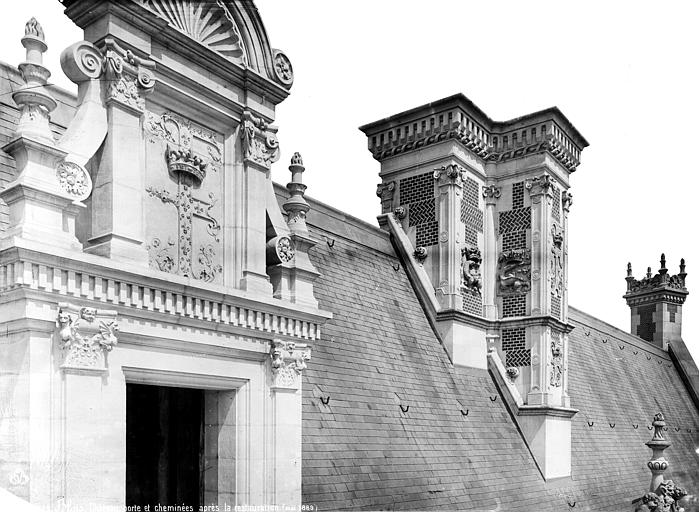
pixel 656 304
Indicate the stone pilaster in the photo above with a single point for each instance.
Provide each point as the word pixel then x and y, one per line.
pixel 118 229
pixel 259 149
pixel 386 191
pixel 566 203
pixel 491 194
pixel 541 196
pixel 449 192
pixel 288 362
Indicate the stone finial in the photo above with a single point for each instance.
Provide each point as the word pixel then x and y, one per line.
pixel 664 495
pixel 33 29
pixel 663 268
pixel 682 268
pixel 658 444
pixel 649 273
pixel 629 272
pixel 296 206
pixel 296 159
pixel 34 102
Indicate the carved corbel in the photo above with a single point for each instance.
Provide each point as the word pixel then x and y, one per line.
pixel 85 335
pixel 259 140
pixel 386 191
pixel 288 361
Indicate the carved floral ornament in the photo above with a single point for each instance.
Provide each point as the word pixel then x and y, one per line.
pixel 452 174
pixel 74 180
pixel 491 192
pixel 283 69
pixel 288 361
pixel 539 185
pixel 85 335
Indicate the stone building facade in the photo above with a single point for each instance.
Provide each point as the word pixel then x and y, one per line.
pixel 177 329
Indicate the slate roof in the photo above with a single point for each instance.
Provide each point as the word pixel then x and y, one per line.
pixel 361 451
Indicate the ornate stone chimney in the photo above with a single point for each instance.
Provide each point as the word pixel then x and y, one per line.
pixel 656 304
pixel 482 207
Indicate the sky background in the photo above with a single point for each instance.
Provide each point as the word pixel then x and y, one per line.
pixel 624 73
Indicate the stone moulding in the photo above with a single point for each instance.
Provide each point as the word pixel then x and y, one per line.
pixel 85 335
pixel 160 296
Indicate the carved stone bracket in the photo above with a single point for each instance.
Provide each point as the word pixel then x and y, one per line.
pixel 400 213
pixel 420 254
pixel 386 191
pixel 567 200
pixel 85 335
pixel 260 144
pixel 288 361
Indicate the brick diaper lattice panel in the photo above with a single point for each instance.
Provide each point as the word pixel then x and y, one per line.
pixel 514 240
pixel 513 339
pixel 518 195
pixel 646 326
pixel 514 305
pixel 427 234
pixel 471 214
pixel 513 344
pixel 556 203
pixel 555 306
pixel 416 188
pixel 472 303
pixel 421 212
pixel 518 358
pixel 515 220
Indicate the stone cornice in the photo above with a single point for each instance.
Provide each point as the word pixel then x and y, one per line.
pixel 120 286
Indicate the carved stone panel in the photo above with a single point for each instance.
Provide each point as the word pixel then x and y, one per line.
pixel 288 361
pixel 85 335
pixel 514 271
pixel 556 379
pixel 184 182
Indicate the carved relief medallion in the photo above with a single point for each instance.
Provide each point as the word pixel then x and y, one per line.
pixel 514 271
pixel 74 180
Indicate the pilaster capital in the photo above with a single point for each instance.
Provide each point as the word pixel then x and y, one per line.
pixel 451 174
pixel 85 336
pixel 130 78
pixel 288 361
pixel 491 194
pixel 259 139
pixel 539 185
pixel 386 191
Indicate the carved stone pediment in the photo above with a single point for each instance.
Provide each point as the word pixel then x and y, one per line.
pixel 208 23
pixel 85 335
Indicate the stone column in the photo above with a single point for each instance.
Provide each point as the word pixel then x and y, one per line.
pixel 260 149
pixel 491 193
pixel 118 223
pixel 450 189
pixel 288 362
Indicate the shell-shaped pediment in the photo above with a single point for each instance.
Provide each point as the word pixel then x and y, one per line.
pixel 231 28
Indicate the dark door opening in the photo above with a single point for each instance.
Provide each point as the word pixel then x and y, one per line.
pixel 164 446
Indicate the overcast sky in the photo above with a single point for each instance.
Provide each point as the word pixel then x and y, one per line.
pixel 624 73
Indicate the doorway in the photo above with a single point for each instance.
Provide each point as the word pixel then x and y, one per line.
pixel 164 446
